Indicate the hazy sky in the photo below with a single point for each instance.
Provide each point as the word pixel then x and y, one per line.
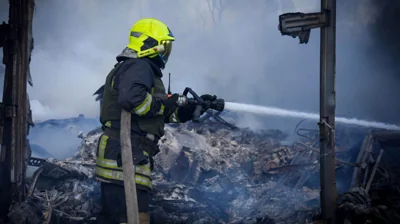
pixel 241 57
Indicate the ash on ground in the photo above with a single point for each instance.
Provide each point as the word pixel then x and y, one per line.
pixel 205 173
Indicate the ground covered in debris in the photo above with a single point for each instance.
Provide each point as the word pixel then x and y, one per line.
pixel 205 173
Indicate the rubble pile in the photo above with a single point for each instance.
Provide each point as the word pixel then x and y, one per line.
pixel 224 172
pixel 357 206
pixel 204 173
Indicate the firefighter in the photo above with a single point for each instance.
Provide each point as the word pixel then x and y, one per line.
pixel 133 85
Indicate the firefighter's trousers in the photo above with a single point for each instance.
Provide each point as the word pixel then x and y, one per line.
pixel 113 210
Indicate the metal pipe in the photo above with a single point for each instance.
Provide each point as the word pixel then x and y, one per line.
pixel 364 183
pixel 327 113
pixel 337 160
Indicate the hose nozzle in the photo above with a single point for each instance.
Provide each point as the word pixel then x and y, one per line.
pixel 218 104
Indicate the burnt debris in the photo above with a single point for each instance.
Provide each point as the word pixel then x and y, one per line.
pixel 211 173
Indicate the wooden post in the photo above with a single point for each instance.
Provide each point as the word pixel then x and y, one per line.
pixel 17 50
pixel 327 113
pixel 132 210
pixel 300 25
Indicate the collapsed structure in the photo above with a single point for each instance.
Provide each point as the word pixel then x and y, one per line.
pixel 214 173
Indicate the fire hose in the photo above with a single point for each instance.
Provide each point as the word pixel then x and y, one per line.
pixel 201 105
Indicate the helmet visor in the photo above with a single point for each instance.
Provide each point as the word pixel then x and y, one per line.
pixel 167 50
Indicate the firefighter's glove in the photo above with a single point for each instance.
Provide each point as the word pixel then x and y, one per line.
pixel 186 113
pixel 170 104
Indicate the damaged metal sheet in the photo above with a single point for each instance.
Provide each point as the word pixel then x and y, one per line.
pixel 205 173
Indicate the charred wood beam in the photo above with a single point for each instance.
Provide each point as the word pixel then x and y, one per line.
pixel 3 33
pixel 364 158
pixel 16 50
pixel 371 177
pixel 387 138
pixel 355 182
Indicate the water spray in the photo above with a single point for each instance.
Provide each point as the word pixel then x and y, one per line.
pixel 274 111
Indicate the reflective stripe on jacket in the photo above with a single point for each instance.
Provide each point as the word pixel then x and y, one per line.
pixel 107 169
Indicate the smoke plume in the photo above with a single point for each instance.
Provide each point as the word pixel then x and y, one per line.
pixel 229 48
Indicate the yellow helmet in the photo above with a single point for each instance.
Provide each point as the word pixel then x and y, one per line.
pixel 148 33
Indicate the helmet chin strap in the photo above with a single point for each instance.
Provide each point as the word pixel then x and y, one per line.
pixel 157 50
pixel 158 61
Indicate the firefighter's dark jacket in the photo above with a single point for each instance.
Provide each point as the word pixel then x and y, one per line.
pixel 131 85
